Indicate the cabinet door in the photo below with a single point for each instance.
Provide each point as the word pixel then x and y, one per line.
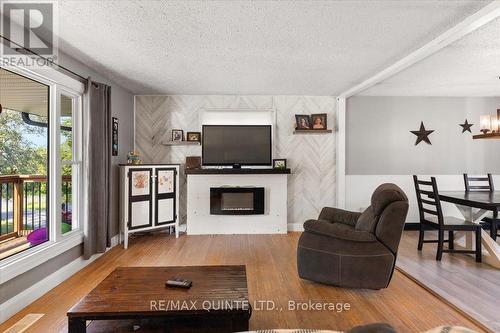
pixel 165 190
pixel 140 197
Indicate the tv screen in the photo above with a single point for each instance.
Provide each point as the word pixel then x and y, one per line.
pixel 236 144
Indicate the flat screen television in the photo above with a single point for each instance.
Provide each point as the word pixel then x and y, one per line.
pixel 236 145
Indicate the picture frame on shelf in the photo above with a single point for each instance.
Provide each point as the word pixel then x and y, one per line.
pixel 279 163
pixel 177 135
pixel 319 121
pixel 302 121
pixel 193 136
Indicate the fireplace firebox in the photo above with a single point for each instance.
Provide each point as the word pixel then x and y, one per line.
pixel 227 200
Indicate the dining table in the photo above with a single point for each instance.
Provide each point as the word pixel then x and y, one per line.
pixel 474 206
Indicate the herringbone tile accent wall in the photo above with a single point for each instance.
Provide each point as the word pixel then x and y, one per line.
pixel 311 185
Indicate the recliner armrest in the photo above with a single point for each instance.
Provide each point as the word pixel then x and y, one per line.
pixel 338 230
pixel 339 215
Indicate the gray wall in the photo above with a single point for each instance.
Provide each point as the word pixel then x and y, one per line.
pixel 18 284
pixel 122 107
pixel 379 141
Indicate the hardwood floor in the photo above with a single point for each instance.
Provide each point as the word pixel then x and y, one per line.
pixel 472 287
pixel 272 275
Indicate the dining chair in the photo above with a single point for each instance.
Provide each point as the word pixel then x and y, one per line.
pixel 431 216
pixel 487 182
pixel 490 221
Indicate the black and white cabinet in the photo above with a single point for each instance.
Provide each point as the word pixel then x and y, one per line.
pixel 149 198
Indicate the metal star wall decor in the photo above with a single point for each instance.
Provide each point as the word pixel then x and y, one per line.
pixel 422 134
pixel 466 126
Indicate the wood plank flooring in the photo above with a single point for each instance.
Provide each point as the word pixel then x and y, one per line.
pixel 272 276
pixel 472 287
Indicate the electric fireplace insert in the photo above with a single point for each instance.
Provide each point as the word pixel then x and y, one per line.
pixel 236 200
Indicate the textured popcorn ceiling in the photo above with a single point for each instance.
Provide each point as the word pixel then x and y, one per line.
pixel 250 47
pixel 468 67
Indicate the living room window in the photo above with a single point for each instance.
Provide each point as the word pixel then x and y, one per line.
pixel 24 160
pixel 70 115
pixel 40 164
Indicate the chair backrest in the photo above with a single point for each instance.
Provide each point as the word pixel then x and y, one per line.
pixel 389 205
pixel 486 181
pixel 428 200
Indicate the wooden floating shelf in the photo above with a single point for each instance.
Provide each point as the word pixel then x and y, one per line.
pixel 487 136
pixel 181 143
pixel 311 131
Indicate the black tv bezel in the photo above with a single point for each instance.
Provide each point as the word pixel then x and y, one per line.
pixel 231 164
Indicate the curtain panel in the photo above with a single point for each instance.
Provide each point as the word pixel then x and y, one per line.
pixel 97 169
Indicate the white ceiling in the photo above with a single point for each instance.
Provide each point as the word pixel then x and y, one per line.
pixel 468 67
pixel 249 47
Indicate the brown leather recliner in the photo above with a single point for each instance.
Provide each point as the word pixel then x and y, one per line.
pixel 356 250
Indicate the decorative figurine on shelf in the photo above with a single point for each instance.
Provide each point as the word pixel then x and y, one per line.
pixel 133 158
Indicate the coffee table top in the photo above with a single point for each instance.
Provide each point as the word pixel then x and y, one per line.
pixel 132 291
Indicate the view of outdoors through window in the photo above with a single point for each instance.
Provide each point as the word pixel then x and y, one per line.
pixel 66 162
pixel 23 163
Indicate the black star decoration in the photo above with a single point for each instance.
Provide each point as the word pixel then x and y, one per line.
pixel 422 134
pixel 466 126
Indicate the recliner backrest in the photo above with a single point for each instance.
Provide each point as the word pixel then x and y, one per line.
pixel 390 206
pixel 384 195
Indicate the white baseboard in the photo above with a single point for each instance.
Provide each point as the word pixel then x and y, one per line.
pixel 28 296
pixel 295 226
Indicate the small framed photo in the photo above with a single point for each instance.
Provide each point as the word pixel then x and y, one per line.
pixel 318 121
pixel 193 136
pixel 114 137
pixel 302 121
pixel 177 135
pixel 279 163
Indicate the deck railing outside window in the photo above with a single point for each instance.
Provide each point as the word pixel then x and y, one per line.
pixel 23 204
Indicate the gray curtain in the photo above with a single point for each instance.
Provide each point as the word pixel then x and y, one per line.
pixel 98 165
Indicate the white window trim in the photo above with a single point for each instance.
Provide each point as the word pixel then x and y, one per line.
pixel 26 260
pixel 76 162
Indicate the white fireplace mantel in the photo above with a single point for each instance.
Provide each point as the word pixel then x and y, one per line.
pixel 201 222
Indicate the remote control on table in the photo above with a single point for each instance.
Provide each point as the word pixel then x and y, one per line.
pixel 180 283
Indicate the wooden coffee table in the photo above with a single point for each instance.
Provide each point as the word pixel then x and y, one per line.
pixel 218 298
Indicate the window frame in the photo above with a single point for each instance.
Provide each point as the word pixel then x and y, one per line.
pixel 58 243
pixel 76 161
